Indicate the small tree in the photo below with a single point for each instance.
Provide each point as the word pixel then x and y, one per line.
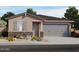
pixel 72 14
pixel 76 23
pixel 4 17
pixel 2 23
pixel 30 11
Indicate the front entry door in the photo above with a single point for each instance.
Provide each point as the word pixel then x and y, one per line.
pixel 36 29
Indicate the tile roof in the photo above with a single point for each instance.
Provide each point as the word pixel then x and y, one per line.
pixel 49 17
pixel 42 17
pixel 23 14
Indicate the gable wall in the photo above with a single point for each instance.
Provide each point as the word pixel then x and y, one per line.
pixel 27 23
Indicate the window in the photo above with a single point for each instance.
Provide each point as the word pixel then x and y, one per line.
pixel 19 25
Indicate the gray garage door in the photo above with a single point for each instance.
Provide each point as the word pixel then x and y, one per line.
pixel 55 30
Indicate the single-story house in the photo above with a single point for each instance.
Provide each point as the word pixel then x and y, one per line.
pixel 38 25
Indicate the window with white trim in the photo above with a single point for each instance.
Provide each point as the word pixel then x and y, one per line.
pixel 19 26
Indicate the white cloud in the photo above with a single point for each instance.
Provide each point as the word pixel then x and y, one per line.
pixel 53 12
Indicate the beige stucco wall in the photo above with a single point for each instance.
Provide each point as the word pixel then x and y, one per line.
pixel 28 21
pixel 10 23
pixel 69 29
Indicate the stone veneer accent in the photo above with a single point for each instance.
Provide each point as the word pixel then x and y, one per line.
pixel 24 34
pixel 41 34
pixel 16 34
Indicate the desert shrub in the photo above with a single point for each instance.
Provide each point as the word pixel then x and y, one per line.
pixel 11 39
pixel 36 38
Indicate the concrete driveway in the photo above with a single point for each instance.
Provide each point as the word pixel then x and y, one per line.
pixel 62 40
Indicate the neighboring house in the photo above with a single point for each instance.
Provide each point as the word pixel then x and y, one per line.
pixel 38 25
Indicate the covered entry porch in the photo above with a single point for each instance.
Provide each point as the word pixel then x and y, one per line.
pixel 37 28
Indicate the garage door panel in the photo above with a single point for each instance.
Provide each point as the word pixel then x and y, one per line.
pixel 55 30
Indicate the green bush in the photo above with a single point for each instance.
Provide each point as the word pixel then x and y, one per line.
pixel 11 39
pixel 36 38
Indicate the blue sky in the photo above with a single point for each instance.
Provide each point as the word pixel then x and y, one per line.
pixel 57 11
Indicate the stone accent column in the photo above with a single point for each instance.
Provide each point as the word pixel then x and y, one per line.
pixel 41 34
